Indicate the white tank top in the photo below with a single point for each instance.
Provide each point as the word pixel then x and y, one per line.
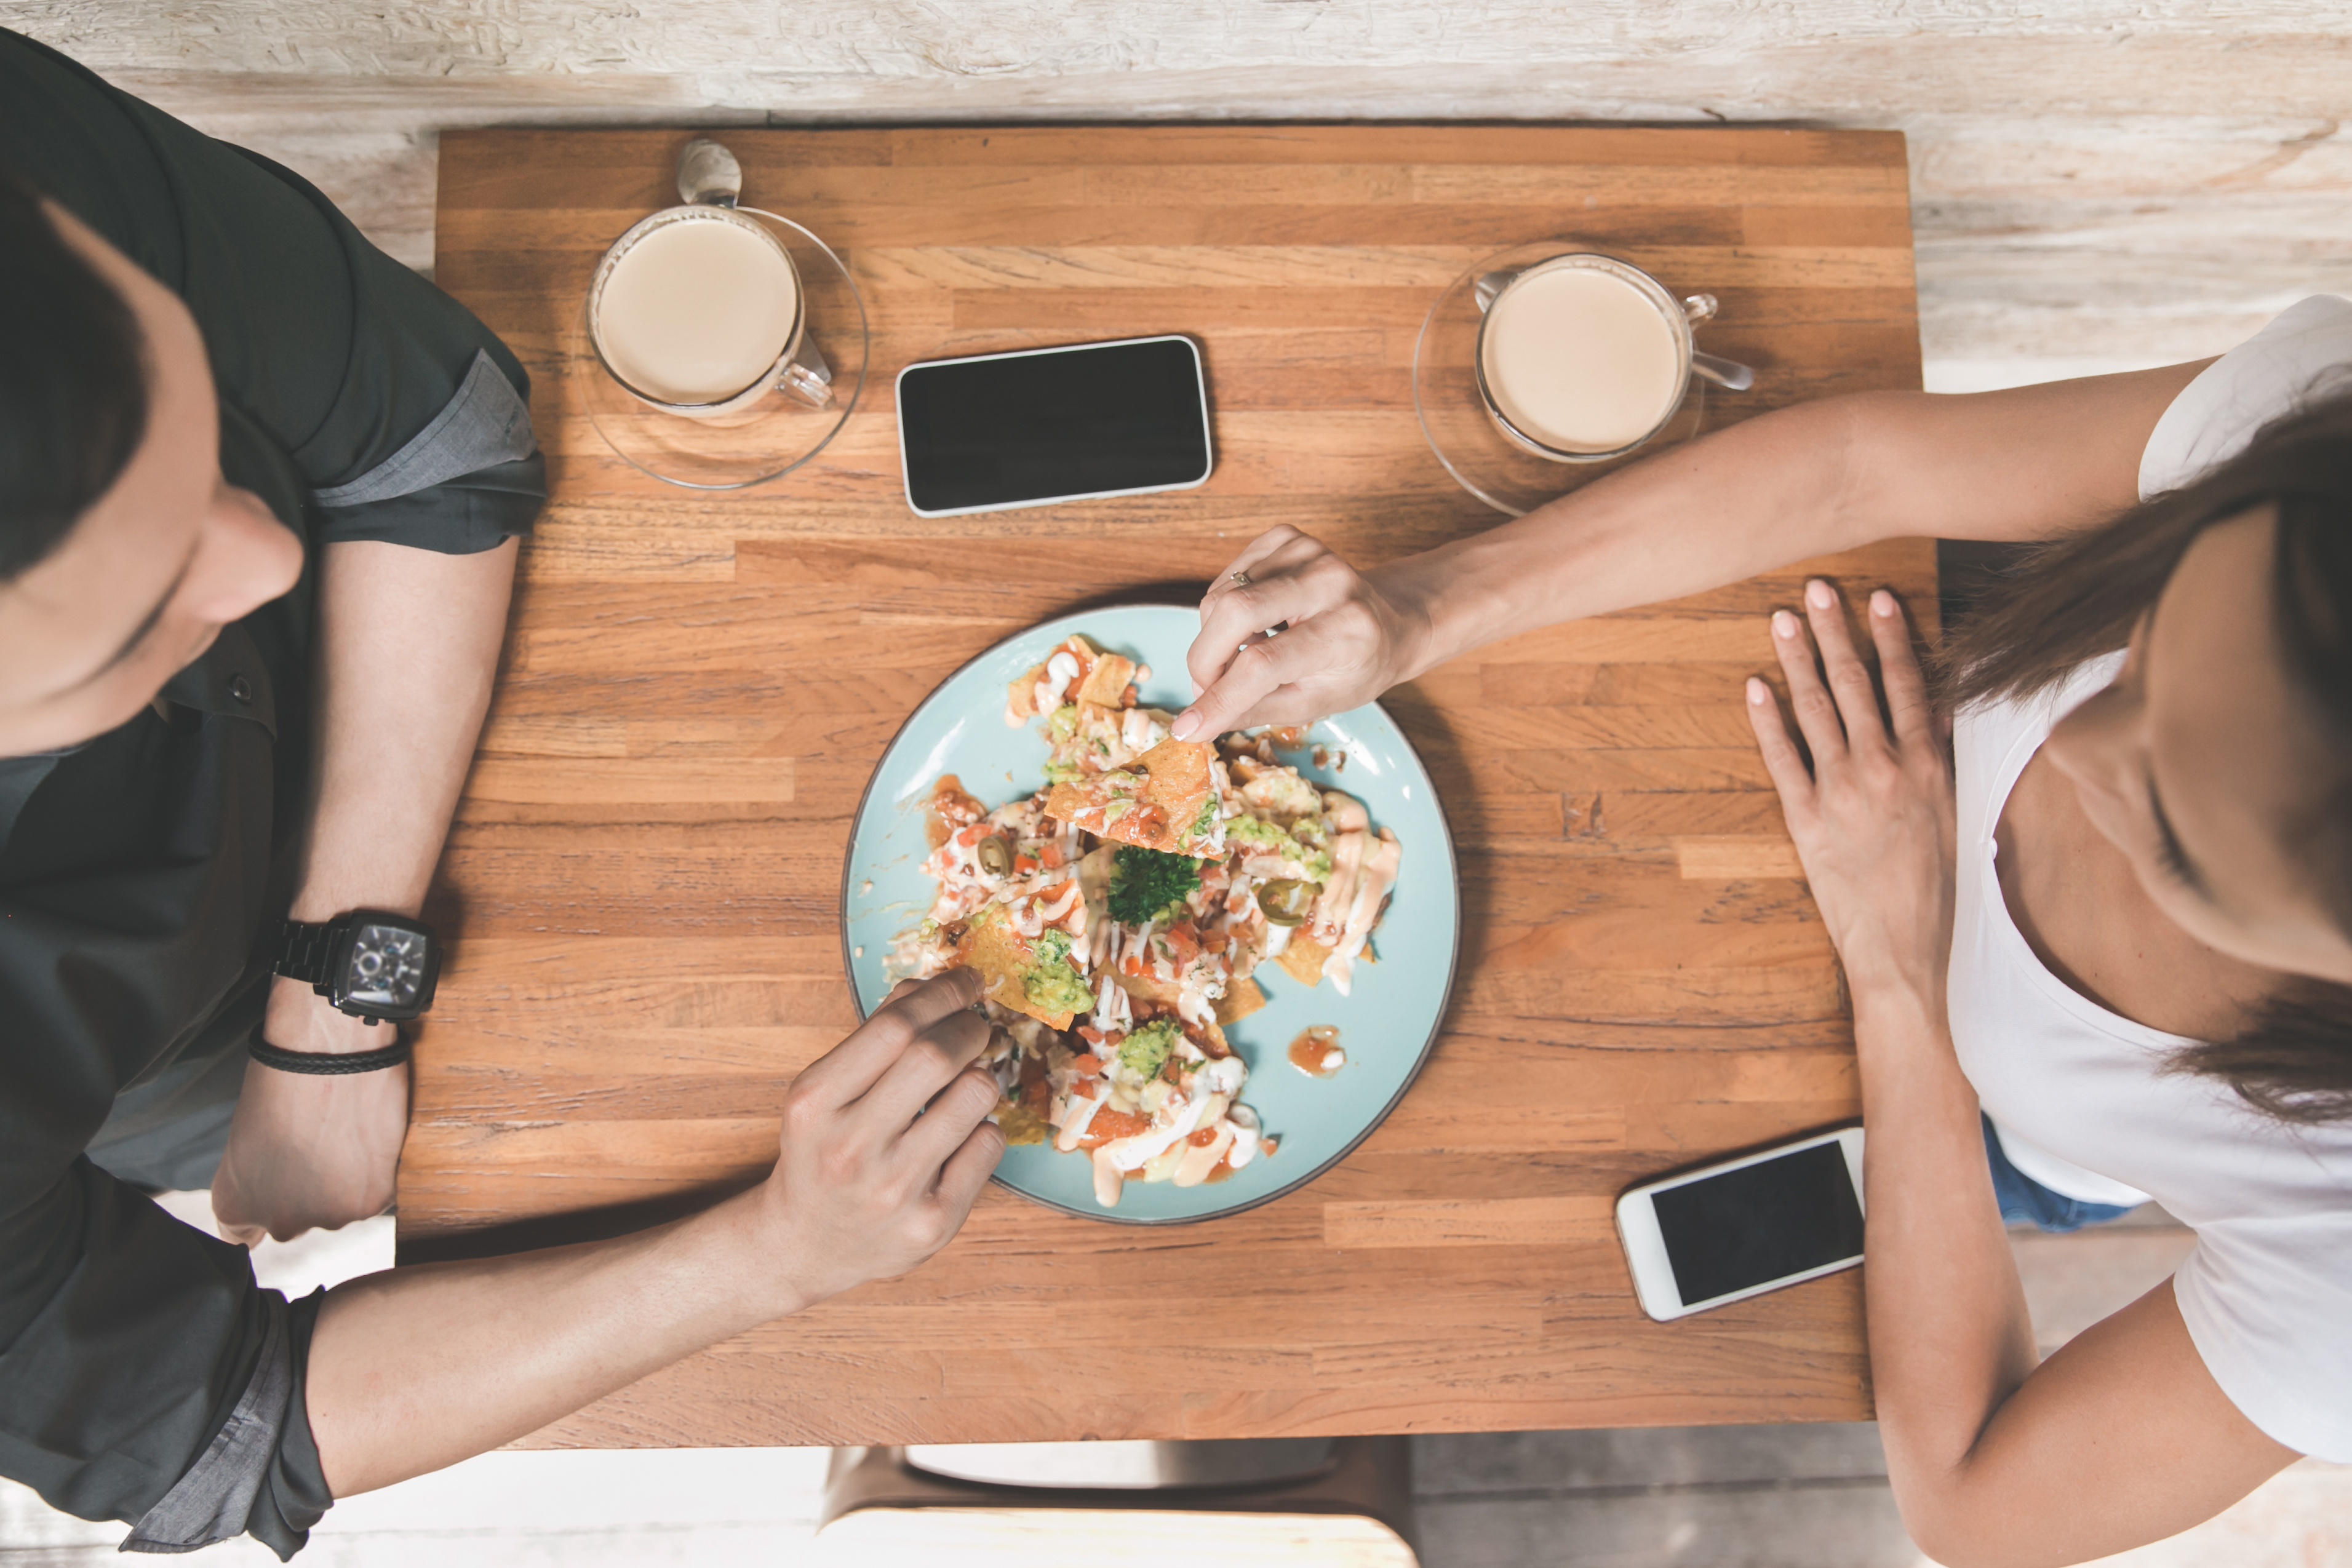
pixel 2076 1092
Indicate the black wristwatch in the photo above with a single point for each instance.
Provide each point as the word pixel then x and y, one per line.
pixel 373 965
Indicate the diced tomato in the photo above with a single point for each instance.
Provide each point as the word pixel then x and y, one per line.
pixel 1184 942
pixel 1213 941
pixel 1203 1138
pixel 1087 1061
pixel 1131 965
pixel 1025 862
pixel 1051 853
pixel 1090 1034
pixel 971 835
pixel 1086 1089
pixel 1108 1125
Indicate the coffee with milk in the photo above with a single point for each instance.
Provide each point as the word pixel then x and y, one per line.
pixel 696 310
pixel 1581 360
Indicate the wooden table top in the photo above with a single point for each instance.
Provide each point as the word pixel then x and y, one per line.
pixel 643 883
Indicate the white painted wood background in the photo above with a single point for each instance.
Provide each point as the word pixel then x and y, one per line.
pixel 2097 183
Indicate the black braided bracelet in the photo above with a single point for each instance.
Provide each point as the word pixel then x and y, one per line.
pixel 326 1064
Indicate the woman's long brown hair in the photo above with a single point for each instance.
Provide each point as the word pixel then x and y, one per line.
pixel 2079 597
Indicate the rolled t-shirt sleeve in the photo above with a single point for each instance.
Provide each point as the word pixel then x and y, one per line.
pixel 143 1375
pixel 428 440
pixel 425 439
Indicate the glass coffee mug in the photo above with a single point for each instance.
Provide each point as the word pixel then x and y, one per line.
pixel 1582 357
pixel 698 310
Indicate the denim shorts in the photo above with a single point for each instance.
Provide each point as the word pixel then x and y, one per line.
pixel 2024 1201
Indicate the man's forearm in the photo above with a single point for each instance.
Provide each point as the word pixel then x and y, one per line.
pixel 408 649
pixel 884 1144
pixel 419 1367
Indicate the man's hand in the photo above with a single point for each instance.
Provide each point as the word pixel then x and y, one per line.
pixel 1347 637
pixel 886 1142
pixel 305 1150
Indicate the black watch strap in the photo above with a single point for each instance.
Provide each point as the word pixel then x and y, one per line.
pixel 327 1063
pixel 305 951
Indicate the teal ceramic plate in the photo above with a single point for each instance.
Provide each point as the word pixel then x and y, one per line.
pixel 1387 1025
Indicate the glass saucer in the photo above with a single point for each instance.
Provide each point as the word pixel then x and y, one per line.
pixel 1465 437
pixel 774 435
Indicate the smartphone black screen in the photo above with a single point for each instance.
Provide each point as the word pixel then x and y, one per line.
pixel 1760 1223
pixel 1085 421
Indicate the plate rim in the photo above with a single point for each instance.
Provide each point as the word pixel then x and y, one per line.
pixel 1404 1087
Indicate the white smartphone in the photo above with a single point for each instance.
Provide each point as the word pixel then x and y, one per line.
pixel 992 432
pixel 1706 1238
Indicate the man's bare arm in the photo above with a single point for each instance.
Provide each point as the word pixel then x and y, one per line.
pixel 885 1145
pixel 408 648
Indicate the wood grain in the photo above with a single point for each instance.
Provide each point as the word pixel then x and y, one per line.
pixel 643 884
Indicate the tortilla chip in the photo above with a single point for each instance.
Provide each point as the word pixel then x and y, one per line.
pixel 1147 988
pixel 1243 997
pixel 1021 695
pixel 997 956
pixel 1176 780
pixel 1303 959
pixel 1106 683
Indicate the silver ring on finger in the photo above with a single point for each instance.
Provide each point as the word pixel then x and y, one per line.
pixel 1241 579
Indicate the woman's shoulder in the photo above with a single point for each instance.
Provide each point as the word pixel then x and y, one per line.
pixel 1999 723
pixel 2303 354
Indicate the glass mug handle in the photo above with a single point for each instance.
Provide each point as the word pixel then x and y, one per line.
pixel 1728 374
pixel 806 377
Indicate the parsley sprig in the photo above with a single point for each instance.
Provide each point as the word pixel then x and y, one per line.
pixel 1144 882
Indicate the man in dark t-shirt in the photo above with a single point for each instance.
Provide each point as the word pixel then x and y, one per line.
pixel 260 495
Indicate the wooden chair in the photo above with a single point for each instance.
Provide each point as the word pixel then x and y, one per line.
pixel 1342 1502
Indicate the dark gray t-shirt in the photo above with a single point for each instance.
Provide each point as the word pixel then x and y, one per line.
pixel 143 1376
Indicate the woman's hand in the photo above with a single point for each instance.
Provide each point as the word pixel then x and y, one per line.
pixel 1346 637
pixel 1873 818
pixel 885 1143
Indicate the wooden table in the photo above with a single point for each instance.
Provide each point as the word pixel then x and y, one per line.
pixel 643 882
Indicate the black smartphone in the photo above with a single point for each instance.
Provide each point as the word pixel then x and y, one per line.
pixel 993 432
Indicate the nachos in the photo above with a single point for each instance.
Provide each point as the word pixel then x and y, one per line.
pixel 1118 918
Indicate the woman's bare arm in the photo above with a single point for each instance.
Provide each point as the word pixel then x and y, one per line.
pixel 1789 485
pixel 2123 1437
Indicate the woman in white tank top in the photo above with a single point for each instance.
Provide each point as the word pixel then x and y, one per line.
pixel 2099 948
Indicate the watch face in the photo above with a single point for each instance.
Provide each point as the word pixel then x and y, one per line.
pixel 387 974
